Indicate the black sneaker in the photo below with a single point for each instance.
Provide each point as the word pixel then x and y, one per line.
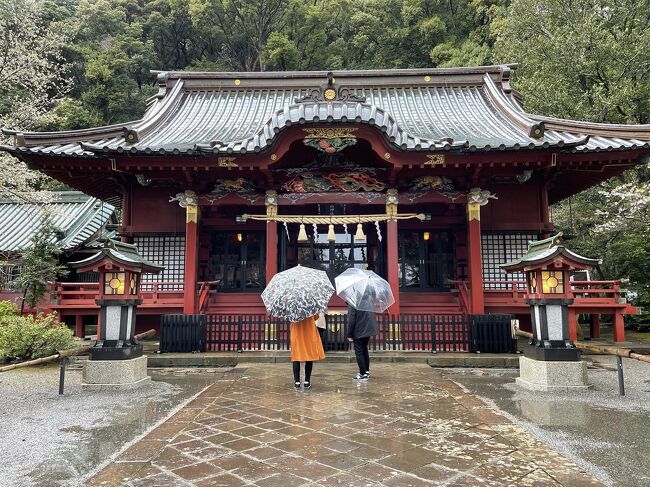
pixel 296 386
pixel 306 385
pixel 361 377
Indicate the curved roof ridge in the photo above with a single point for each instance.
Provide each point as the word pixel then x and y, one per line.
pixel 532 128
pixel 105 132
pixel 611 130
pixel 327 112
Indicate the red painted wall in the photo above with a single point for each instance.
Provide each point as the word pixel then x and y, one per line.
pixel 151 211
pixel 517 206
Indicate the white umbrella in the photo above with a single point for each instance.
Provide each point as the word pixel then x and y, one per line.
pixel 364 290
pixel 297 293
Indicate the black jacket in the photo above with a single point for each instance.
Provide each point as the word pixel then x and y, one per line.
pixel 361 324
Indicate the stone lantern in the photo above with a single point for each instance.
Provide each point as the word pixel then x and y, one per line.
pixel 550 361
pixel 116 360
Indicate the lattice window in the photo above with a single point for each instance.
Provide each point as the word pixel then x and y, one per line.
pixel 501 247
pixel 9 272
pixel 165 250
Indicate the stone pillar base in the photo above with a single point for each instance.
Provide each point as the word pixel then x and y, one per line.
pixel 114 374
pixel 551 376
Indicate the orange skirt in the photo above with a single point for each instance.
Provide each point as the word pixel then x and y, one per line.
pixel 306 345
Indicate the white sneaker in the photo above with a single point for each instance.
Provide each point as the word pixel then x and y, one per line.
pixel 360 377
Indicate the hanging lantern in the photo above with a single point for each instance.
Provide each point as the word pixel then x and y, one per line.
pixel 302 234
pixel 331 236
pixel 359 235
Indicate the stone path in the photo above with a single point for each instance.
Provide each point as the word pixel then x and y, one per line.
pixel 407 426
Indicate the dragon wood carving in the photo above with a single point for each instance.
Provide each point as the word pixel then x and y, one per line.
pixel 343 181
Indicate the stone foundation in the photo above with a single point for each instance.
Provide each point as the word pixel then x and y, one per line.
pixel 550 376
pixel 114 374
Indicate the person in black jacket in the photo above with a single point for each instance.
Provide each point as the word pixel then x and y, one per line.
pixel 361 326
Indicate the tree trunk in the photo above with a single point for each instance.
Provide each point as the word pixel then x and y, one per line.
pixel 22 304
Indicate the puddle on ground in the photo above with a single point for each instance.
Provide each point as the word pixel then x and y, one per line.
pixel 594 428
pixel 86 446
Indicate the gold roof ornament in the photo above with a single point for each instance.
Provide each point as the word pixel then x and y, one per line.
pixel 434 160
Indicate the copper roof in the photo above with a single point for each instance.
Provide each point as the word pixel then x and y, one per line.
pixel 77 216
pixel 543 251
pixel 458 109
pixel 122 253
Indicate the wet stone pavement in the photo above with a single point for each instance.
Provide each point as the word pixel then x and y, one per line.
pixel 407 426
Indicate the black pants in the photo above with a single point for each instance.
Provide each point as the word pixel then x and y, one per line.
pixel 296 371
pixel 361 352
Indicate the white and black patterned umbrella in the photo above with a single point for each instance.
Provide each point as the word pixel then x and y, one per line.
pixel 297 293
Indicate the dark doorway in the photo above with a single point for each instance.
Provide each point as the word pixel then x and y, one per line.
pixel 332 257
pixel 237 261
pixel 426 260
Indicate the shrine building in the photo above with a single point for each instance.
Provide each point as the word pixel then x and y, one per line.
pixel 432 178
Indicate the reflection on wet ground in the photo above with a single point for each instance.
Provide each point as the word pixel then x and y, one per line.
pixel 50 439
pixel 606 434
pixel 407 426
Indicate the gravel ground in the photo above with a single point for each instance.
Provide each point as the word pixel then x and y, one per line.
pixel 606 434
pixel 51 440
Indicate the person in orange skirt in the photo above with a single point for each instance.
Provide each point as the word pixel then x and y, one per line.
pixel 306 346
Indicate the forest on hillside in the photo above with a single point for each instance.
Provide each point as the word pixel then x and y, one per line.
pixel 67 64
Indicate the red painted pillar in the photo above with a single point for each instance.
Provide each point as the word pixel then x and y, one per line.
pixel 543 204
pixel 573 325
pixel 594 326
pixel 79 326
pixel 191 258
pixel 271 250
pixel 476 300
pixel 619 328
pixel 392 263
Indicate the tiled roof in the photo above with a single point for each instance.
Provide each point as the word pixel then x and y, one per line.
pixel 123 253
pixel 540 251
pixel 77 216
pixel 465 109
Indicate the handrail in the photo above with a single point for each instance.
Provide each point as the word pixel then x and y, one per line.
pixel 204 293
pixel 463 293
pixel 613 283
pixel 96 284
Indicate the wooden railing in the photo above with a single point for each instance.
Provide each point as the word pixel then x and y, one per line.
pixel 169 294
pixel 463 294
pixel 515 287
pixel 204 293
pixel 83 294
pixel 596 289
pixel 586 294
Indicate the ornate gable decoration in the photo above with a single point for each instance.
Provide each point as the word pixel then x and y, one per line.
pixel 242 187
pixel 329 92
pixel 330 140
pixel 321 182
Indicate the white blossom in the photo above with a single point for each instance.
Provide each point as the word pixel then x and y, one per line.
pixel 33 77
pixel 628 205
